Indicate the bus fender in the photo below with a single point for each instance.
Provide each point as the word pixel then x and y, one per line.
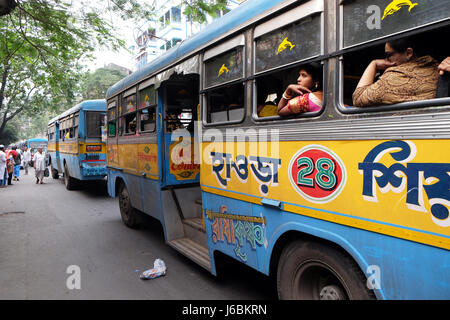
pixel 319 233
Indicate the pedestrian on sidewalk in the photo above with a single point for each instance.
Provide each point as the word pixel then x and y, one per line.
pixel 39 165
pixel 3 176
pixel 26 160
pixel 17 161
pixel 10 155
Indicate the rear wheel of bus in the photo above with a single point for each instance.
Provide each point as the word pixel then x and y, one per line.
pixel 68 180
pixel 128 213
pixel 314 271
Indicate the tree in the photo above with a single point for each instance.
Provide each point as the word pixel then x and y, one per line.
pixel 43 44
pixel 95 84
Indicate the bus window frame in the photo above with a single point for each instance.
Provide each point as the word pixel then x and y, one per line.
pixel 403 106
pixel 113 102
pixel 239 40
pixel 306 10
pixel 142 86
pixel 123 96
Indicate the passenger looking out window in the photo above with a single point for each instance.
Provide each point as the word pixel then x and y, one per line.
pixel 407 76
pixel 306 95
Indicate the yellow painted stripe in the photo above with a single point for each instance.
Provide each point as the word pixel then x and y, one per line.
pixel 407 234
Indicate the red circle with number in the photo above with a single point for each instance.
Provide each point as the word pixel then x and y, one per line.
pixel 317 173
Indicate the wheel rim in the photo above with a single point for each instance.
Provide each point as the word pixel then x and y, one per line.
pixel 315 280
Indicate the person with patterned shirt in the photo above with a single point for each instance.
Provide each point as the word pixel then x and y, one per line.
pixel 406 77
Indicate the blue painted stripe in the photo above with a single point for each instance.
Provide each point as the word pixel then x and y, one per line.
pixel 337 213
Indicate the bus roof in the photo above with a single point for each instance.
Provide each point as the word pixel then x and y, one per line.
pixel 94 105
pixel 214 31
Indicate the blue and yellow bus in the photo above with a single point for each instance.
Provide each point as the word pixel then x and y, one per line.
pixel 76 147
pixel 340 203
pixel 36 143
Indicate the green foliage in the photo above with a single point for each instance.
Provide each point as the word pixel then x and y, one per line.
pixel 95 85
pixel 42 44
pixel 198 10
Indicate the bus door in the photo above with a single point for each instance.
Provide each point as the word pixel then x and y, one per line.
pixel 181 194
pixel 180 111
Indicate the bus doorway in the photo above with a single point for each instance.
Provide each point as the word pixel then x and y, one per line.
pixel 181 193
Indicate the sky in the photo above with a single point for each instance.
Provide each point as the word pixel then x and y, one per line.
pixel 123 57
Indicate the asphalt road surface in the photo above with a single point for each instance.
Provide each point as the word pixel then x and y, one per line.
pixel 45 229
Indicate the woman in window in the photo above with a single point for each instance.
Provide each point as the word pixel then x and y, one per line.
pixel 406 76
pixel 306 95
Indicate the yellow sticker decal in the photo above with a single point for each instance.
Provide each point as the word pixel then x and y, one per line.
pixel 222 70
pixel 146 98
pixel 396 5
pixel 284 44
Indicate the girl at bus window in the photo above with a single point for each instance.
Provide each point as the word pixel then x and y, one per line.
pixel 306 95
pixel 406 77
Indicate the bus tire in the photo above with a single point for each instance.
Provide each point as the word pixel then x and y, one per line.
pixel 55 174
pixel 314 271
pixel 127 212
pixel 68 180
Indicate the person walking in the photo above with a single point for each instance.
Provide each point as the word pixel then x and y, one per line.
pixel 39 165
pixel 26 160
pixel 10 156
pixel 3 176
pixel 17 161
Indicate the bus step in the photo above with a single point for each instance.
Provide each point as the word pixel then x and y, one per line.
pixel 193 251
pixel 194 230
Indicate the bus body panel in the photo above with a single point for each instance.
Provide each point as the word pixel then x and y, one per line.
pixel 386 207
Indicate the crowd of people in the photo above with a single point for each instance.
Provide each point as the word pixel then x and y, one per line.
pixel 13 159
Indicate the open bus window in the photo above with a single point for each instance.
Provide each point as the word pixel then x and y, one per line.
pixel 130 123
pixel 417 81
pixel 147 118
pixel 226 103
pixel 181 102
pixel 225 90
pixel 147 109
pixel 269 90
pixel 294 36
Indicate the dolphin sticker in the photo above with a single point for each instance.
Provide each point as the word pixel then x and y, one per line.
pixel 284 44
pixel 222 70
pixel 396 5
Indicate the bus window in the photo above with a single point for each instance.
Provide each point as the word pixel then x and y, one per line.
pixel 285 40
pixel 378 90
pixel 76 121
pixel 112 119
pixel 181 103
pixel 147 109
pixel 94 122
pixel 128 108
pixel 225 94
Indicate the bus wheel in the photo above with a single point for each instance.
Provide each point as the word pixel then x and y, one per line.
pixel 68 180
pixel 55 174
pixel 314 271
pixel 128 213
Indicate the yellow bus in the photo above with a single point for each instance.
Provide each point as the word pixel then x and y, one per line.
pixel 338 202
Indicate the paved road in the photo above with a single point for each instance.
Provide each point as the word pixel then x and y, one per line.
pixel 45 228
